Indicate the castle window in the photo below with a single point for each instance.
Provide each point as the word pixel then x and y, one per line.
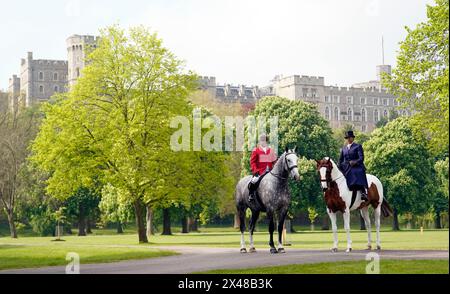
pixel 336 99
pixel 363 128
pixel 327 99
pixel 41 76
pixel 363 100
pixel 305 92
pixel 56 89
pixel 327 113
pixel 336 113
pixel 349 114
pixel 349 99
pixel 375 101
pixel 41 89
pixel 55 76
pixel 78 71
pixel 376 115
pixel 385 113
pixel 363 114
pixel 385 102
pixel 314 93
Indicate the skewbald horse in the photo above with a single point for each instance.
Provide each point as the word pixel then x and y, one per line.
pixel 338 197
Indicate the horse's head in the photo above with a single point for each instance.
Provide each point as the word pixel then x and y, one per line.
pixel 290 164
pixel 324 167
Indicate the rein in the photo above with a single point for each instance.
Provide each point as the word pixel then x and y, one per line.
pixel 289 168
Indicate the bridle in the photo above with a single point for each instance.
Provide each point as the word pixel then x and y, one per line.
pixel 290 168
pixel 329 167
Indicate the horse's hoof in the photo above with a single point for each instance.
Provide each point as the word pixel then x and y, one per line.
pixel 281 250
pixel 369 247
pixel 252 250
pixel 273 251
pixel 243 250
pixel 334 250
pixel 348 250
pixel 378 247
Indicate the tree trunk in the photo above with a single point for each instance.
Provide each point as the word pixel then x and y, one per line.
pixel 193 227
pixel 395 224
pixel 166 222
pixel 325 223
pixel 119 228
pixel 362 224
pixel 12 225
pixel 88 226
pixel 81 221
pixel 184 225
pixel 437 220
pixel 139 212
pixel 149 217
pixel 236 221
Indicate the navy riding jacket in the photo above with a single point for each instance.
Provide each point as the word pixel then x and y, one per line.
pixel 356 174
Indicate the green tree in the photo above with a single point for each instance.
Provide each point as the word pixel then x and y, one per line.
pixel 17 129
pixel 82 206
pixel 299 124
pixel 397 155
pixel 420 80
pixel 113 125
pixel 440 201
pixel 114 207
pixel 60 219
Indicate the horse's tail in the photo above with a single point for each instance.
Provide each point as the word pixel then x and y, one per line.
pixel 386 210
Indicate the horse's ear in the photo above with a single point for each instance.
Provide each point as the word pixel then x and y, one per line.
pixel 329 159
pixel 286 149
pixel 295 149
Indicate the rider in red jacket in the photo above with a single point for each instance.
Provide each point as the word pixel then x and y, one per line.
pixel 261 162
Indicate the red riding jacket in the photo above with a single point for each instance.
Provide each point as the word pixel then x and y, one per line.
pixel 260 160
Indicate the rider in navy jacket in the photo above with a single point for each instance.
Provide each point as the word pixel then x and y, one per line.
pixel 351 163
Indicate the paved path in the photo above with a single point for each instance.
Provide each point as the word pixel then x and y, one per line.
pixel 194 259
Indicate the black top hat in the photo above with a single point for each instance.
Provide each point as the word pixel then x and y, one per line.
pixel 349 134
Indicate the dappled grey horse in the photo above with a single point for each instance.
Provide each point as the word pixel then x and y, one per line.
pixel 273 198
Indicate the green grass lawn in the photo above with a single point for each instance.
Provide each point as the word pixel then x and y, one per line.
pixel 412 239
pixel 348 267
pixel 106 246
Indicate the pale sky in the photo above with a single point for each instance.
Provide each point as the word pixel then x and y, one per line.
pixel 237 41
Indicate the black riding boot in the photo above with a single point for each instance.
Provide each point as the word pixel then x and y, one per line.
pixel 364 195
pixel 252 193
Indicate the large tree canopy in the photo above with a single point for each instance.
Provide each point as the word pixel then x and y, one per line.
pixel 113 125
pixel 397 155
pixel 420 80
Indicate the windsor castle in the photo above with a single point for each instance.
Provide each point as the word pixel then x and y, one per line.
pixel 361 105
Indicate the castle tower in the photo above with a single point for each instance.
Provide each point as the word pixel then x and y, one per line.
pixel 14 93
pixel 76 54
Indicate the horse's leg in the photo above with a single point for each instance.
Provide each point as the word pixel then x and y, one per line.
pixel 377 225
pixel 332 216
pixel 253 220
pixel 281 218
pixel 271 229
pixel 241 213
pixel 347 229
pixel 365 214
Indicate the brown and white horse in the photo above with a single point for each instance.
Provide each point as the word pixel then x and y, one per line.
pixel 338 197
